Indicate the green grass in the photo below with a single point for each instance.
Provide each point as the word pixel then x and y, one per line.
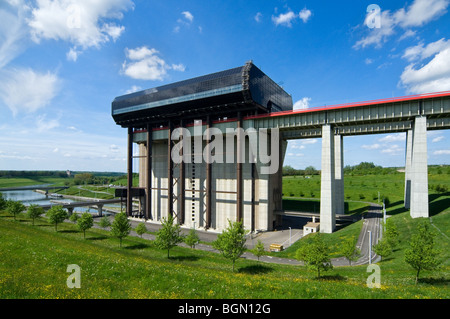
pixel 6 182
pixel 34 260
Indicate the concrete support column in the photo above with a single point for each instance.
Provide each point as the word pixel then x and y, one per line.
pixel 100 210
pixel 409 139
pixel 130 172
pixel 419 169
pixel 339 174
pixel 327 213
pixel 148 193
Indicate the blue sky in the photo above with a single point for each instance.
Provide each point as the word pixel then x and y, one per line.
pixel 62 62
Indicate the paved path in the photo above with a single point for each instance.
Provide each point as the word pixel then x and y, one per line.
pixel 371 223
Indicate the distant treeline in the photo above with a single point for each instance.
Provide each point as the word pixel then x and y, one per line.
pixel 363 168
pixel 33 174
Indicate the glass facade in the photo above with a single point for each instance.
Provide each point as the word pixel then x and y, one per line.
pixel 246 84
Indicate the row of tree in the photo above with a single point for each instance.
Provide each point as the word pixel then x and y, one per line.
pixel 314 252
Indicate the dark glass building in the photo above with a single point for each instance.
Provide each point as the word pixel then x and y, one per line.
pixel 244 89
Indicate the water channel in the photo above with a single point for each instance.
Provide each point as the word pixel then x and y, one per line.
pixel 28 197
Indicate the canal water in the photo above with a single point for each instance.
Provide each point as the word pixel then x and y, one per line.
pixel 28 197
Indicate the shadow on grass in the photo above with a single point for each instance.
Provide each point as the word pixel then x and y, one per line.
pixel 67 231
pixel 100 237
pixel 435 281
pixel 184 258
pixel 135 246
pixel 332 278
pixel 255 269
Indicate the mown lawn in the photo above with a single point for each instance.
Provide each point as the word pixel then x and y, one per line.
pixel 34 259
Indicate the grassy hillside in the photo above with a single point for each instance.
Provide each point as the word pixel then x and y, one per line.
pixel 34 260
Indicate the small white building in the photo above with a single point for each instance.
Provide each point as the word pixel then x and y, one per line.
pixel 311 227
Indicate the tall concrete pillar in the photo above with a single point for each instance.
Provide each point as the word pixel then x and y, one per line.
pixel 419 169
pixel 339 174
pixel 409 139
pixel 327 213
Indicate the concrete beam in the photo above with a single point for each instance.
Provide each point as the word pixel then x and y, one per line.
pixel 327 187
pixel 419 169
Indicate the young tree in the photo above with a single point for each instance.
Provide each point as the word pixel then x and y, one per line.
pixel 315 254
pixel 34 211
pixel 85 222
pixel 258 250
pixel 383 248
pixel 104 222
pixel 56 215
pixel 121 226
pixel 231 243
pixel 2 202
pixel 350 251
pixel 140 229
pixel 169 235
pixel 14 207
pixel 74 217
pixel 391 233
pixel 192 238
pixel 421 255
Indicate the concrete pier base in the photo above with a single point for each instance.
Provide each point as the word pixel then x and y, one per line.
pixel 409 139
pixel 327 196
pixel 419 169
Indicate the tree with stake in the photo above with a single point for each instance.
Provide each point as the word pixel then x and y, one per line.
pixel 140 229
pixel 315 254
pixel 192 238
pixel 14 207
pixel 258 250
pixel 422 255
pixel 121 227
pixel 34 211
pixel 85 222
pixel 169 235
pixel 56 215
pixel 350 251
pixel 231 243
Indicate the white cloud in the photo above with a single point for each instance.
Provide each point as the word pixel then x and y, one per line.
pixel 72 55
pixel 301 104
pixel 393 150
pixel 133 89
pixel 434 76
pixel 80 22
pixel 114 148
pixel 12 30
pixel 188 16
pixel 304 15
pixel 419 13
pixel 437 139
pixel 441 152
pixel 393 138
pixel 371 147
pixel 27 90
pixel 43 124
pixel 368 61
pixel 145 64
pixel 284 18
pixel 258 17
